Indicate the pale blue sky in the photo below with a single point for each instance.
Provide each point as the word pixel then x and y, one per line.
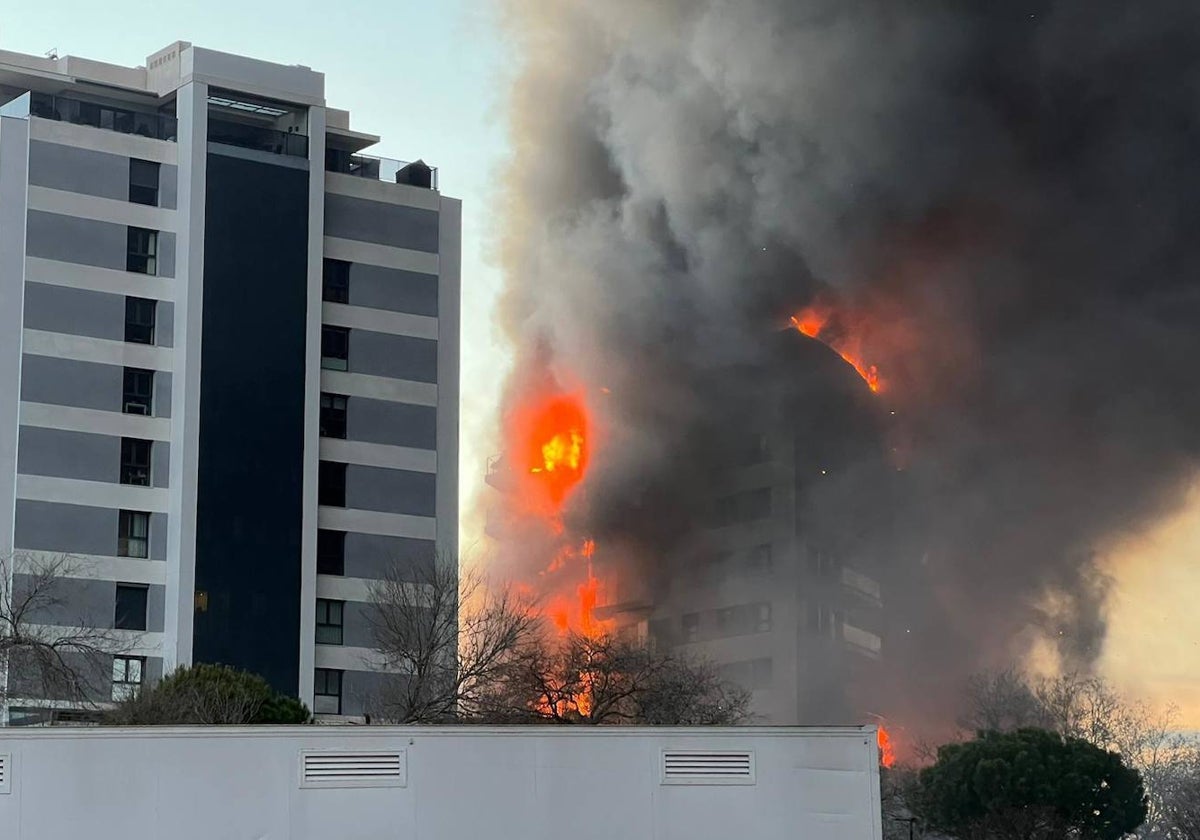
pixel 429 78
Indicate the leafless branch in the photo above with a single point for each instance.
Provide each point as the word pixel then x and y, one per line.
pixel 42 656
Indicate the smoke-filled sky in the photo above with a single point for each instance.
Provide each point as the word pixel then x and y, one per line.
pixel 1000 199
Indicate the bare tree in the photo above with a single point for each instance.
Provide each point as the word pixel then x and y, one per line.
pixel 42 657
pixel 440 660
pixel 605 679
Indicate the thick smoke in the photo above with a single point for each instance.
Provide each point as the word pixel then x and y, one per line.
pixel 1006 195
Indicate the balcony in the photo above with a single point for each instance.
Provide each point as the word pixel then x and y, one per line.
pixel 259 138
pixel 108 117
pixel 389 170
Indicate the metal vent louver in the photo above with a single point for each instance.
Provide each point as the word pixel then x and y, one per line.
pixel 353 769
pixel 5 773
pixel 708 767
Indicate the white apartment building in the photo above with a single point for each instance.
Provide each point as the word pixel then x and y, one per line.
pixel 229 364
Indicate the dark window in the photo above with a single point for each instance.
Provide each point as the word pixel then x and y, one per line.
pixel 139 320
pixel 139 389
pixel 331 484
pixel 135 462
pixel 335 348
pixel 127 674
pixel 327 691
pixel 143 182
pixel 133 534
pixel 333 416
pixel 142 253
pixel 131 607
pixel 691 627
pixel 331 552
pixel 329 621
pixel 336 288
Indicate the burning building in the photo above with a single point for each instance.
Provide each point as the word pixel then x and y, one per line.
pixel 985 209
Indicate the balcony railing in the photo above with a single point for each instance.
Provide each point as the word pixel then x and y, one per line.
pixel 108 117
pixel 268 140
pixel 389 170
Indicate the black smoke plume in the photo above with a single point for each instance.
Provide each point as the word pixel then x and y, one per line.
pixel 1005 196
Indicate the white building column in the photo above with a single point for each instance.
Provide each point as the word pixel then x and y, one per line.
pixel 192 112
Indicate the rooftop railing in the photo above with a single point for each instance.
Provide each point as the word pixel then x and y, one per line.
pixel 108 117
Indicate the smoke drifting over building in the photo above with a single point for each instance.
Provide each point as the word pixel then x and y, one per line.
pixel 1000 202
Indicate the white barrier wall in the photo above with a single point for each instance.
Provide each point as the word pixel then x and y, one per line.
pixel 439 783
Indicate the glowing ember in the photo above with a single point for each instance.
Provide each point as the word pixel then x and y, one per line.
pixel 813 320
pixel 887 753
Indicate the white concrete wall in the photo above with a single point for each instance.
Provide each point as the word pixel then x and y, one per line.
pixel 522 783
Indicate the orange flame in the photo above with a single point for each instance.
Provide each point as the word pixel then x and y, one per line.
pixel 548 441
pixel 812 322
pixel 887 752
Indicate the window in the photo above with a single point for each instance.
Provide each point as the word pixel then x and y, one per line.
pixel 127 676
pixel 691 627
pixel 133 534
pixel 329 621
pixel 135 462
pixel 763 624
pixel 139 320
pixel 336 286
pixel 327 691
pixel 331 552
pixel 331 484
pixel 139 389
pixel 333 416
pixel 335 348
pixel 143 183
pixel 131 607
pixel 142 252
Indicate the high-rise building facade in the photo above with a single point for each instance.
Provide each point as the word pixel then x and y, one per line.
pixel 228 364
pixel 781 583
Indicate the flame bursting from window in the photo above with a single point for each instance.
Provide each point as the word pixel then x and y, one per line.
pixel 887 752
pixel 549 444
pixel 816 320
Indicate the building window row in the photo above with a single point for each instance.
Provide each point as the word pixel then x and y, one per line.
pixel 739 620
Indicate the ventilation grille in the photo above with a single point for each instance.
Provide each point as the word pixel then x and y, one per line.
pixel 353 769
pixel 708 767
pixel 5 773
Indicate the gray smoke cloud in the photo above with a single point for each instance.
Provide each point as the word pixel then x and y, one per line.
pixel 1005 194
